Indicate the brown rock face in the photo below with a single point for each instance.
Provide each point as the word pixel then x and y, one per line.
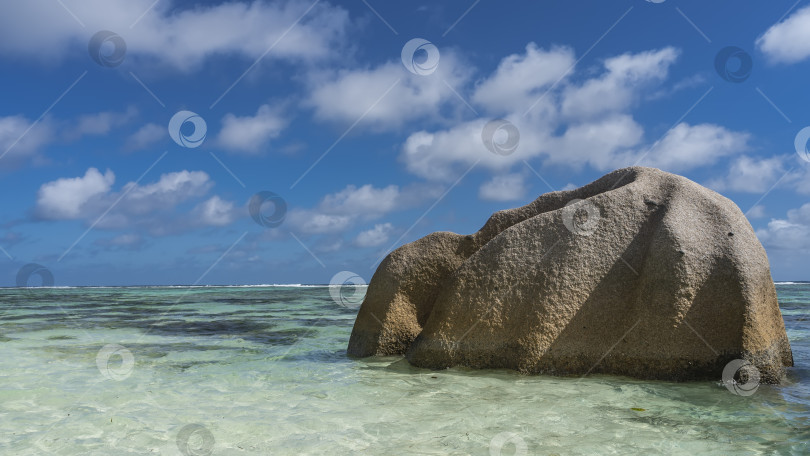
pixel 651 275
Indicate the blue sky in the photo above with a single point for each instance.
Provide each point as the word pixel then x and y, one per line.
pixel 313 102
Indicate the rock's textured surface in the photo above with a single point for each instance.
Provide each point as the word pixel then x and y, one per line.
pixel 651 276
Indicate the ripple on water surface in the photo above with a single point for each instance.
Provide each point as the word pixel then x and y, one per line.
pixel 263 370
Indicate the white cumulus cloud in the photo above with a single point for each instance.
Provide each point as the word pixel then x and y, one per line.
pixel 521 78
pixel 791 233
pixel 387 96
pixel 67 198
pixel 216 212
pixel 146 136
pixel 509 187
pixel 751 175
pixel 789 40
pixel 313 222
pixel 174 34
pixel 339 211
pixel 756 212
pixel 154 207
pixel 620 85
pixel 21 139
pixel 100 123
pixel 687 147
pixel 583 120
pixel 250 134
pixel 375 236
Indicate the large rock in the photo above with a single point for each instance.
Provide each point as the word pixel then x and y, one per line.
pixel 651 276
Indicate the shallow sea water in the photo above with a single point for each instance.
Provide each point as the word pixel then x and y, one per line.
pixel 263 370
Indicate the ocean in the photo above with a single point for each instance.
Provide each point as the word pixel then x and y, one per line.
pixel 263 370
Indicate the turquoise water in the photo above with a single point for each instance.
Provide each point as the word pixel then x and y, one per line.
pixel 263 370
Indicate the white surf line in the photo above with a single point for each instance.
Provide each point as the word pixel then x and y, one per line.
pixel 189 289
pixel 149 328
pixel 220 258
pixel 39 119
pixel 121 197
pixel 272 46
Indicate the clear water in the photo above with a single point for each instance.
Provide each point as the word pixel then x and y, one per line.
pixel 264 371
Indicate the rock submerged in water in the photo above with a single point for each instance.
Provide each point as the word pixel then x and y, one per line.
pixel 640 273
